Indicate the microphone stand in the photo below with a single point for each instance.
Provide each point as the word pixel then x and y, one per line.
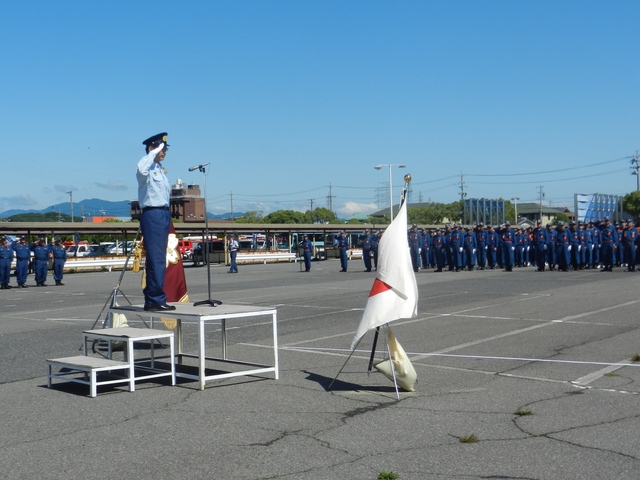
pixel 207 245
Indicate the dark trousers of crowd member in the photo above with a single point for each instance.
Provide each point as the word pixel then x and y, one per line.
pixel 508 251
pixel 563 257
pixel 541 253
pixel 307 261
pixel 366 258
pixel 154 225
pixel 415 257
pixel 5 271
pixel 440 255
pixel 41 267
pixel 607 255
pixel 58 270
pixel 344 261
pixel 575 256
pixel 233 267
pixel 375 258
pixel 595 256
pixel 492 256
pixel 481 256
pixel 630 256
pixel 551 256
pixel 469 258
pixel 22 267
pixel 424 256
pixel 519 256
pixel 588 255
pixel 457 252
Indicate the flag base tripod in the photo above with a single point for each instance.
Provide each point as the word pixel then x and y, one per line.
pixel 371 359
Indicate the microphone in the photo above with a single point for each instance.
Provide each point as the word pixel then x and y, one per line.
pixel 198 166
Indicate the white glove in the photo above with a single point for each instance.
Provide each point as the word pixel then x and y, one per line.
pixel 486 248
pixel 461 249
pixel 544 247
pixel 419 250
pixel 569 248
pixel 579 247
pixel 528 248
pixel 474 250
pixel 513 249
pixel 158 149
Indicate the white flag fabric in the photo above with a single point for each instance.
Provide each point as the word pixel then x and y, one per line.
pixel 394 294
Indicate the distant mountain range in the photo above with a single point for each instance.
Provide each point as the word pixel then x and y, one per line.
pixel 94 207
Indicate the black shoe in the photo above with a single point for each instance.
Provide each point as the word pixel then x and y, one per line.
pixel 2 287
pixel 159 308
pixel 368 270
pixel 22 285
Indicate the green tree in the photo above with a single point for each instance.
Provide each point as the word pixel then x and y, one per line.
pixel 251 217
pixel 631 203
pixel 285 216
pixel 321 215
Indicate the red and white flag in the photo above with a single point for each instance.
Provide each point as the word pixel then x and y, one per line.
pixel 394 294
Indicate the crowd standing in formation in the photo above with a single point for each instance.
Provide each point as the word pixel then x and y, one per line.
pixel 42 253
pixel 562 247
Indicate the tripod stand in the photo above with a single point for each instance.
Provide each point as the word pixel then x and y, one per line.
pixel 207 243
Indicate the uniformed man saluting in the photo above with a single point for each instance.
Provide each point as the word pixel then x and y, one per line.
pixel 154 192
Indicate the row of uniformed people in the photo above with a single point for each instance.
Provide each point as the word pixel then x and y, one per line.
pixel 581 245
pixel 41 255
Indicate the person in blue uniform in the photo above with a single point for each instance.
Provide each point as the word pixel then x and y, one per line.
pixel 552 235
pixel 597 244
pixel 343 248
pixel 6 256
pixel 367 244
pixel 439 249
pixel 574 247
pixel 608 235
pixel 492 247
pixel 375 241
pixel 154 196
pixel 233 246
pixel 456 245
pixel 481 251
pixel 507 237
pixel 415 243
pixel 629 237
pixel 470 248
pixel 59 257
pixel 540 245
pixel 23 255
pixel 41 261
pixel 519 244
pixel 425 252
pixel 307 248
pixel 563 240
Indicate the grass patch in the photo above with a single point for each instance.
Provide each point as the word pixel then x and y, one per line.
pixel 612 374
pixel 636 358
pixel 522 412
pixel 469 439
pixel 387 475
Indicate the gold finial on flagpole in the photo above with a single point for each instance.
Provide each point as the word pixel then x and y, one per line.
pixel 407 178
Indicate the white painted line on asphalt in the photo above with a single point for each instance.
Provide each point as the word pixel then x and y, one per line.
pixel 587 379
pixel 418 355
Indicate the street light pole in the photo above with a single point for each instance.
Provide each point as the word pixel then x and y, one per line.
pixel 515 206
pixel 390 165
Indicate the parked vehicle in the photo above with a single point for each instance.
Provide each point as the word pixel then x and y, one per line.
pixel 185 248
pixel 82 250
pixel 216 252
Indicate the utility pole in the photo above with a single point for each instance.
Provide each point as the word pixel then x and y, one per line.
pixel 70 192
pixel 231 198
pixel 463 194
pixel 540 197
pixel 311 202
pixel 635 166
pixel 330 198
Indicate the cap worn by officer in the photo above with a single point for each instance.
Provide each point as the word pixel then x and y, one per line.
pixel 152 142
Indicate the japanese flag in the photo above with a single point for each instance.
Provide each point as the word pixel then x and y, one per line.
pixel 394 294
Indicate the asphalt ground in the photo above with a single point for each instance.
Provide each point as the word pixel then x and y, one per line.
pixel 537 366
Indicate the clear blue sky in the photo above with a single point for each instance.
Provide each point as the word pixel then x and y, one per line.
pixel 285 98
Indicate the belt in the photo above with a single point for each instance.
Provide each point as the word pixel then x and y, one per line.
pixel 145 209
